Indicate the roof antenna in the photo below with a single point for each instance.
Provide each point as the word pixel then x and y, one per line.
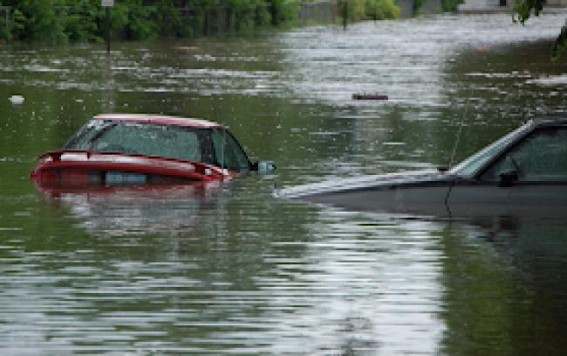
pixel 223 146
pixel 458 139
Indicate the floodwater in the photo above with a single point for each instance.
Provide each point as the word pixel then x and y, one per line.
pixel 231 269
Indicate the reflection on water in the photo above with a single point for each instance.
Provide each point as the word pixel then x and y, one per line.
pixel 361 285
pixel 508 283
pixel 232 269
pixel 117 211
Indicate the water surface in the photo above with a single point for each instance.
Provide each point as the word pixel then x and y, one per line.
pixel 232 269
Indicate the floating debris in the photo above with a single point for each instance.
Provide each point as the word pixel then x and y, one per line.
pixel 370 96
pixel 16 99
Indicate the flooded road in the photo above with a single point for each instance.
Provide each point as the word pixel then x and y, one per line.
pixel 233 270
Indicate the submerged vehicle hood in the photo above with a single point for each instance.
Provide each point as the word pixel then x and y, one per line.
pixel 345 184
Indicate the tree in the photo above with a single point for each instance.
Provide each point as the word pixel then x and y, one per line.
pixel 524 9
pixel 38 21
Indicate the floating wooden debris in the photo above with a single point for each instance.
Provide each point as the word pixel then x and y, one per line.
pixel 369 96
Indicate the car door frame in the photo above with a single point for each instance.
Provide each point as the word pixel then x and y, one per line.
pixel 508 196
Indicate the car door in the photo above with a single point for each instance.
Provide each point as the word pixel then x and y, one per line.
pixel 529 179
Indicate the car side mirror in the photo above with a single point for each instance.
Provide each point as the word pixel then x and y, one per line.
pixel 508 178
pixel 264 166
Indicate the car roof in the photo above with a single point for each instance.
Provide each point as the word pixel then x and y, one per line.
pixel 159 119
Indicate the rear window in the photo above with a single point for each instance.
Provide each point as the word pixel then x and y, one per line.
pixel 179 142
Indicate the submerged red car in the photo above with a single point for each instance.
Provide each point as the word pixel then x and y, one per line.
pixel 139 149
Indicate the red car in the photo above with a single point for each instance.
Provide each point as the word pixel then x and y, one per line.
pixel 140 149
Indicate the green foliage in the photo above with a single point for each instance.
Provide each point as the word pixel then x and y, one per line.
pixel 38 21
pixel 244 14
pixel 83 23
pixel 137 21
pixel 417 4
pixel 356 10
pixel 450 5
pixel 4 31
pixel 560 44
pixel 370 9
pixel 285 12
pixel 62 21
pixel 524 9
pixel 382 9
pixel 172 22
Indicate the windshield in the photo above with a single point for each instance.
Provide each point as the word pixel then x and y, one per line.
pixel 470 166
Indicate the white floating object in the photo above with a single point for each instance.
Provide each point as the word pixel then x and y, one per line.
pixel 16 99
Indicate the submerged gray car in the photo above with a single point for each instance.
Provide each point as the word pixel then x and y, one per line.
pixel 522 174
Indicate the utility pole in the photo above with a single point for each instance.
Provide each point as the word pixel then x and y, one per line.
pixel 345 14
pixel 107 4
pixel 7 10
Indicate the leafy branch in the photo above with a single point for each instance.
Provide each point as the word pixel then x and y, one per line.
pixel 524 9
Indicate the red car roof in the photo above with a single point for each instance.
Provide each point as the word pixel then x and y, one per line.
pixel 159 119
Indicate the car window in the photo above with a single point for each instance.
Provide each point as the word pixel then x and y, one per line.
pixel 146 139
pixel 83 138
pixel 228 152
pixel 542 156
pixel 471 166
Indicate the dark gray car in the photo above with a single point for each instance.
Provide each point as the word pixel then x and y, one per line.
pixel 522 174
